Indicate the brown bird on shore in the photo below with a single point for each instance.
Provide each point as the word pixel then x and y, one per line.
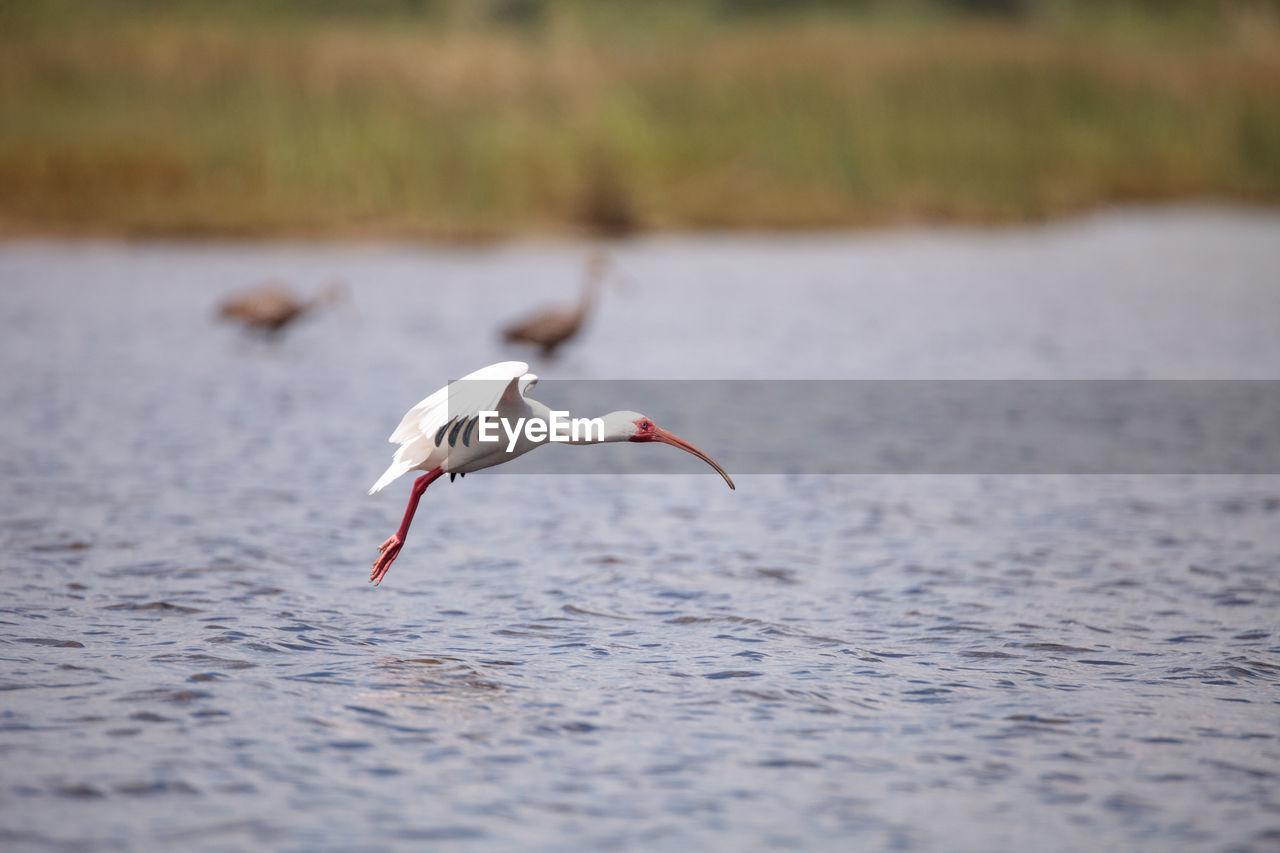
pixel 551 327
pixel 271 306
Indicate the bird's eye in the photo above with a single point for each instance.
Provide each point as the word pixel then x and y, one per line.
pixel 646 425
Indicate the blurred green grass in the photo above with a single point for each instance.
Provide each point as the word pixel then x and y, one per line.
pixel 475 120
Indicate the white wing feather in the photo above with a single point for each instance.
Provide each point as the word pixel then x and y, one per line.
pixel 420 417
pixel 504 383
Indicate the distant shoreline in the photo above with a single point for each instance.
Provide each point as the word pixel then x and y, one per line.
pixel 18 233
pixel 575 241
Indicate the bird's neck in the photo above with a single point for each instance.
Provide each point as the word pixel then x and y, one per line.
pixel 590 285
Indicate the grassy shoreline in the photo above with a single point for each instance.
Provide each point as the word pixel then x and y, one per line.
pixel 232 126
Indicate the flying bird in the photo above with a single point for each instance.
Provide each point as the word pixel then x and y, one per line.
pixel 551 327
pixel 442 435
pixel 271 306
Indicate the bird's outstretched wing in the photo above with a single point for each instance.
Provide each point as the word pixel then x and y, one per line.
pixel 431 427
pixel 482 389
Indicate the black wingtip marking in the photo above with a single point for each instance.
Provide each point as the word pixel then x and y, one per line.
pixel 453 475
pixel 453 433
pixel 466 433
pixel 440 433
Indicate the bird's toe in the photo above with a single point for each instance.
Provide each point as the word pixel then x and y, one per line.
pixel 390 550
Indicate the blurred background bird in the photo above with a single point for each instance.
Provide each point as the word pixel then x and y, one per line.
pixel 548 328
pixel 271 306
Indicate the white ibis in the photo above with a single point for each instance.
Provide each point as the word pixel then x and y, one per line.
pixel 440 436
pixel 271 306
pixel 551 327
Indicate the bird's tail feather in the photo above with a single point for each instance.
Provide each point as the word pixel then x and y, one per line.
pixel 408 456
pixel 397 469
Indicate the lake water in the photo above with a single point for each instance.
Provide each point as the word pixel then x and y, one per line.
pixel 192 656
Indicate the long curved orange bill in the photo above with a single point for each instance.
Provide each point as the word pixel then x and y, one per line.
pixel 660 434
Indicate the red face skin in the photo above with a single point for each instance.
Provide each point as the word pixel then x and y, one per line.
pixel 647 430
pixel 644 430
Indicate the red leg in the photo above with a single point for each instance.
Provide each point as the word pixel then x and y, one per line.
pixel 391 548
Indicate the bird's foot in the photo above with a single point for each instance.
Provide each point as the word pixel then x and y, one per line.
pixel 390 550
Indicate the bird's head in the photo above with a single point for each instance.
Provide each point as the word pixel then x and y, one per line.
pixel 633 426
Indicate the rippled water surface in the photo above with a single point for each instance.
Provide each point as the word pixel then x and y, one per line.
pixel 192 656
